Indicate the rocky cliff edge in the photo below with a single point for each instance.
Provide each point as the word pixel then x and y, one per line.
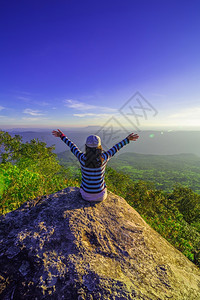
pixel 61 247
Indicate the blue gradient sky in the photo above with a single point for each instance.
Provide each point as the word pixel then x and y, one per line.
pixel 76 63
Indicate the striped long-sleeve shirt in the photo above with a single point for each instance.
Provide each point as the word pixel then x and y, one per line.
pixel 93 178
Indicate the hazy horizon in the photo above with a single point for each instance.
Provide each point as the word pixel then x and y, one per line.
pixel 150 141
pixel 39 128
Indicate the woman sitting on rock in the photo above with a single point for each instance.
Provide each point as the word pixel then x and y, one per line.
pixel 93 163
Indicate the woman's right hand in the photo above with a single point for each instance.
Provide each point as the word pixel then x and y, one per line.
pixel 57 133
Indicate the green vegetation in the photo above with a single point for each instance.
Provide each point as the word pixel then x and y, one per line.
pixel 162 170
pixel 29 170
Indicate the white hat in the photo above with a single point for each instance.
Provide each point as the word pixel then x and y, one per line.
pixel 93 141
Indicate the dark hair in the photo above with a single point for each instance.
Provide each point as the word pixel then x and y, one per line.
pixel 94 157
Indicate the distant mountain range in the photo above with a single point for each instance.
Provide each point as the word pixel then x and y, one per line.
pixel 150 142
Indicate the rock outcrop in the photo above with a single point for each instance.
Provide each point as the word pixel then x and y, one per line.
pixel 61 247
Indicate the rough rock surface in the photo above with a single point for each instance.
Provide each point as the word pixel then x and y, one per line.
pixel 61 247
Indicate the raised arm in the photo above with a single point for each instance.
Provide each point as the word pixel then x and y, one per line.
pixel 112 151
pixel 74 149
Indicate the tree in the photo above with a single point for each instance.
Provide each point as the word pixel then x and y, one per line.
pixel 28 170
pixel 33 155
pixel 9 146
pixel 187 202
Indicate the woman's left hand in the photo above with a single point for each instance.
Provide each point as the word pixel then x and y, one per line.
pixel 132 137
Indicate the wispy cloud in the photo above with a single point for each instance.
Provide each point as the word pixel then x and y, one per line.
pixel 23 92
pixel 29 99
pixel 32 112
pixel 1 108
pixel 25 99
pixel 78 105
pixel 33 119
pixel 41 103
pixel 193 112
pixel 92 115
pixel 75 104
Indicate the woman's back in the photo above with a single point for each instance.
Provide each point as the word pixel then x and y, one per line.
pixel 93 178
pixel 93 163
